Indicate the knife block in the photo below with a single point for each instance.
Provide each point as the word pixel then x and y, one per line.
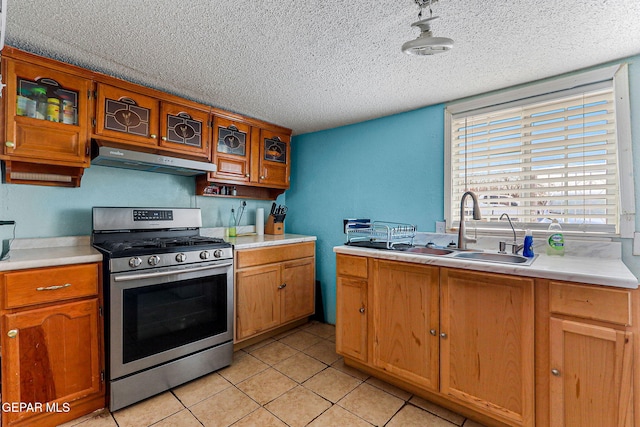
pixel 273 227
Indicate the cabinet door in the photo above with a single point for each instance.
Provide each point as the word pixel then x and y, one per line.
pixel 29 135
pixel 51 355
pixel 591 376
pixel 257 300
pixel 487 343
pixel 185 130
pixel 231 150
pixel 127 116
pixel 273 164
pixel 405 321
pixel 351 318
pixel 298 289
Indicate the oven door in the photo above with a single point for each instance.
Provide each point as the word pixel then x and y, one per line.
pixel 161 315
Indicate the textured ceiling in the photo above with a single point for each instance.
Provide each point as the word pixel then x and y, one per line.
pixel 324 63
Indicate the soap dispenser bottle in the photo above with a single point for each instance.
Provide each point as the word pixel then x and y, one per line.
pixel 555 239
pixel 527 249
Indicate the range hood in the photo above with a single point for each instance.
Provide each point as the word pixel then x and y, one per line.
pixel 105 155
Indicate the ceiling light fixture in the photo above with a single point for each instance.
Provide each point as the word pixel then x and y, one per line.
pixel 426 44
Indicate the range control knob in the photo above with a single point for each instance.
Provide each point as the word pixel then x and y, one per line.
pixel 135 262
pixel 217 253
pixel 154 260
pixel 204 255
pixel 181 257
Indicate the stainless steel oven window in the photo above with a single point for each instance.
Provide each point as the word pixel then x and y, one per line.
pixel 160 316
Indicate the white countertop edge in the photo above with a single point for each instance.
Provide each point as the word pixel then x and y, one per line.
pixel 255 241
pixel 21 259
pixel 606 272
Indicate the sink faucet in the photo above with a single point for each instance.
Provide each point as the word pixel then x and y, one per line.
pixel 462 237
pixel 515 247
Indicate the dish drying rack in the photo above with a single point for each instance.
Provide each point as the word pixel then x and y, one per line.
pixel 382 234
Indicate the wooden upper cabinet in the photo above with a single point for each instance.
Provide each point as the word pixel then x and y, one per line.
pixel 231 150
pixel 127 116
pixel 131 118
pixel 247 154
pixel 184 130
pixel 274 162
pixel 46 114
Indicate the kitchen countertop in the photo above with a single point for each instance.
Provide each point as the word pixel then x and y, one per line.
pixel 255 241
pixel 49 252
pixel 55 251
pixel 590 270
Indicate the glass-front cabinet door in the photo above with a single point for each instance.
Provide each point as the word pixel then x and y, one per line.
pixel 231 150
pixel 185 130
pixel 46 114
pixel 127 116
pixel 274 159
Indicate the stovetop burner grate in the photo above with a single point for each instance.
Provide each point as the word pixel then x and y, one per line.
pixel 159 243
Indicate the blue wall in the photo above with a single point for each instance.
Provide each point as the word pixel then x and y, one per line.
pixel 386 169
pixel 389 169
pixel 41 211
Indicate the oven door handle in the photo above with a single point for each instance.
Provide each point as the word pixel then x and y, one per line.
pixel 168 273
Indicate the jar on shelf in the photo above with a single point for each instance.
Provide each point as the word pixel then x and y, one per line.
pixel 67 111
pixel 53 109
pixel 23 97
pixel 42 104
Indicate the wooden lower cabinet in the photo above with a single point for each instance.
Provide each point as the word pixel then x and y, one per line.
pixel 587 377
pixel 591 375
pixel 404 311
pixel 501 349
pixel 274 286
pixel 52 363
pixel 487 343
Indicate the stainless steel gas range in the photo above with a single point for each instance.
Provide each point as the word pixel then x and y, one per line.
pixel 169 299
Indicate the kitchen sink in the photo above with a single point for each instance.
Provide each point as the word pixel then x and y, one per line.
pixel 495 257
pixel 470 254
pixel 429 251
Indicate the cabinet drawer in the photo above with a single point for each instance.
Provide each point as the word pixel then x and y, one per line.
pixel 347 265
pixel 589 302
pixel 29 287
pixel 272 254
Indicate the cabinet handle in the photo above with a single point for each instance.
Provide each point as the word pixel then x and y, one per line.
pixel 154 136
pixel 10 144
pixel 53 288
pixel 361 310
pixel 433 332
pixel 247 175
pixel 284 285
pixel 555 372
pixel 443 335
pixel 261 176
pixel 164 138
pixel 12 333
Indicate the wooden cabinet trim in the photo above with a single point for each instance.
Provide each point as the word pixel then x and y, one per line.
pixel 272 254
pixel 349 265
pixel 590 302
pixel 47 285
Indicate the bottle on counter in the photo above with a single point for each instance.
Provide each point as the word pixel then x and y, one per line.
pixel 232 224
pixel 527 250
pixel 555 239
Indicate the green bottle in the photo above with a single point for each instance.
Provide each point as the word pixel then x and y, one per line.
pixel 232 224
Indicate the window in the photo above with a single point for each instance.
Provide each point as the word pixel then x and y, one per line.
pixel 548 151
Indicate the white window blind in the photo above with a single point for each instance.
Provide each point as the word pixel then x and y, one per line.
pixel 547 157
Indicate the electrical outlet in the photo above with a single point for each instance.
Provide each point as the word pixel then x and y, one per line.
pixel 441 227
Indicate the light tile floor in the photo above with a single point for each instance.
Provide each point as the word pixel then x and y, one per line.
pixel 295 379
